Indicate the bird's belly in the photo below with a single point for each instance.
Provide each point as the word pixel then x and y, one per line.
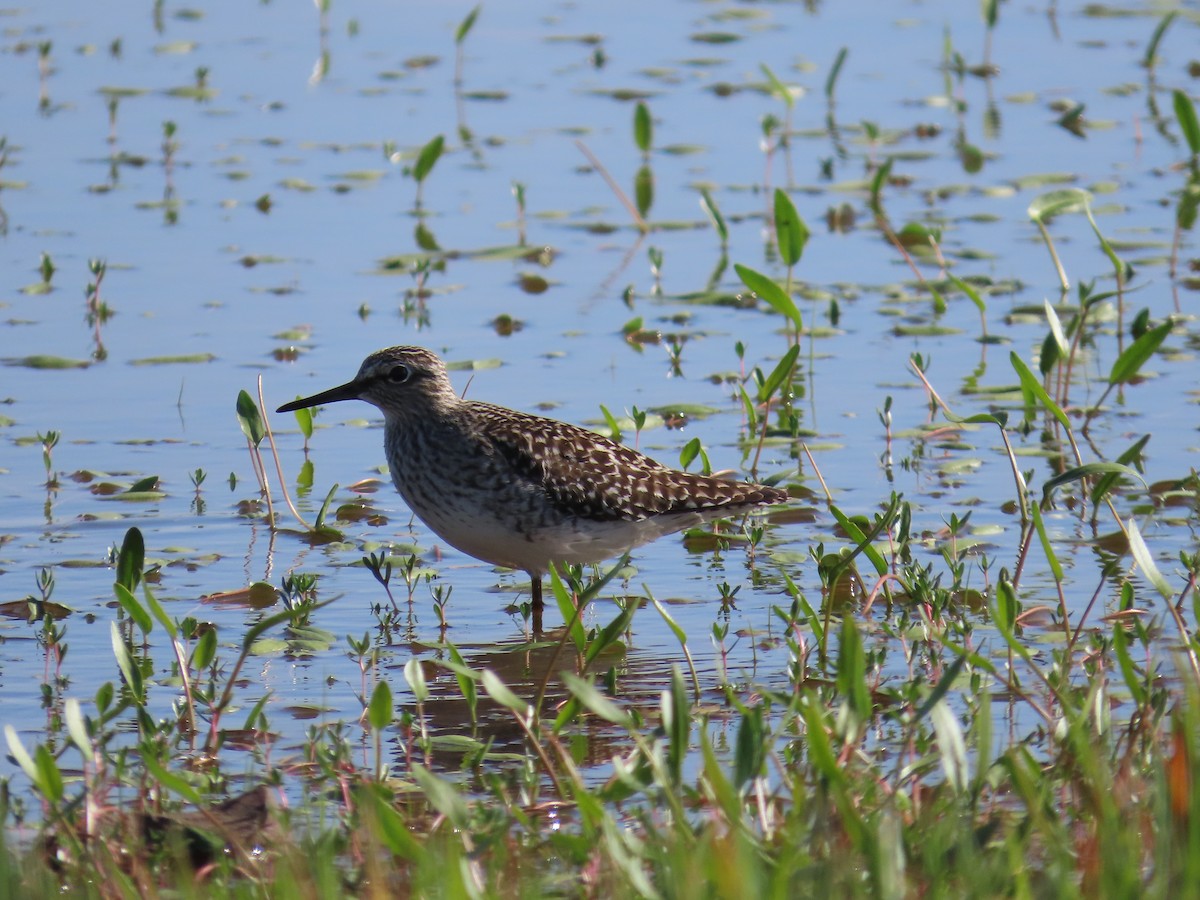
pixel 519 544
pixel 500 520
pixel 503 542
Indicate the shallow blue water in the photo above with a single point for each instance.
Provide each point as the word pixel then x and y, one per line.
pixel 181 286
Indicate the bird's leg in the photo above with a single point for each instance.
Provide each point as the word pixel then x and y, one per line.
pixel 536 603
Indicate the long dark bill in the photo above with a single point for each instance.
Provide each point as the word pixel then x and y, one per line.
pixel 348 391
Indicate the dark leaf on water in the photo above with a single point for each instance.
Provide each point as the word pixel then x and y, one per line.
pixel 42 361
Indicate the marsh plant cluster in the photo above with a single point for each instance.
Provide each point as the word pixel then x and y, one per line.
pixel 973 671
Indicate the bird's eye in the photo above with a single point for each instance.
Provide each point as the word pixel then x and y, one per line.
pixel 399 374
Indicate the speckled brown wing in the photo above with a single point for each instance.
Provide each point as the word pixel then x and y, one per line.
pixel 588 475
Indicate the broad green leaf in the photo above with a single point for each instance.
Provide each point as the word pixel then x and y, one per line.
pixel 159 613
pixel 791 234
pixel 1185 113
pixel 972 294
pixel 250 419
pixel 750 747
pixel 689 452
pixel 643 127
pixel 129 669
pixel 443 796
pixel 782 371
pixel 610 633
pixel 861 541
pixel 1132 456
pixel 596 702
pixel 77 727
pixel 415 676
pixel 131 559
pixel 1033 384
pixel 206 649
pixel 1053 203
pixel 172 782
pixel 566 607
pixel 852 670
pixel 136 611
pixel 990 10
pixel 680 634
pixel 1189 204
pixel 20 754
pixel 1087 470
pixel 379 710
pixel 643 190
pixel 49 777
pixel 1008 607
pixel 502 694
pixel 951 746
pixel 427 158
pixel 771 293
pixel 1136 354
pixel 1056 329
pixel 392 828
pixel 304 419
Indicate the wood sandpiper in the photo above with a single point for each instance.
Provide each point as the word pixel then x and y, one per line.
pixel 519 490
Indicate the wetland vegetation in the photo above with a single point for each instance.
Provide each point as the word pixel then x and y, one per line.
pixel 929 267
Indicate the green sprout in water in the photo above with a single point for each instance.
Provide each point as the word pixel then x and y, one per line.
pixel 49 441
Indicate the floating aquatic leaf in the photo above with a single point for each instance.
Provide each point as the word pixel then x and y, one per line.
pixel 48 362
pixel 172 360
